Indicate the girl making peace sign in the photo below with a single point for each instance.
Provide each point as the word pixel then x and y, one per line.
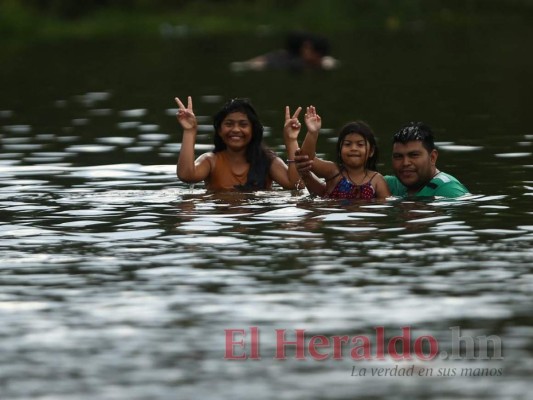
pixel 240 160
pixel 354 174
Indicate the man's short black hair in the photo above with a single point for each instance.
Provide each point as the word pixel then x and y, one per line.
pixel 416 131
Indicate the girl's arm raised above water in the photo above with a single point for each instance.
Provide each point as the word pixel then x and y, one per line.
pixel 189 170
pixel 313 123
pixel 287 176
pixel 324 169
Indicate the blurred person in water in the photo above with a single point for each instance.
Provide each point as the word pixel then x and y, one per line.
pixel 414 161
pixel 302 50
pixel 240 160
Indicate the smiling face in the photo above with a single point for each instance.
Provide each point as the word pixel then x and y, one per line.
pixel 236 131
pixel 355 150
pixel 413 165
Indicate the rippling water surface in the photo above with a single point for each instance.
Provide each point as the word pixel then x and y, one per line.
pixel 118 281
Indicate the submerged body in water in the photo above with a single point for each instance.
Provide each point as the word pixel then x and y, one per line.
pixel 302 51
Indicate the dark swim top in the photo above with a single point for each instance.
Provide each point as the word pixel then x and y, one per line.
pixel 346 189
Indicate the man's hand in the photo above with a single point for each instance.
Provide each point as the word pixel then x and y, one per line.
pixel 303 163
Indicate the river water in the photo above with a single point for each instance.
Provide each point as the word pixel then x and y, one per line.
pixel 120 282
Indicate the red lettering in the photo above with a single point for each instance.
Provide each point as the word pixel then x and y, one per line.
pixel 230 343
pixel 281 343
pixel 321 342
pixel 365 353
pixel 433 348
pixel 405 339
pixel 338 341
pixel 380 343
pixel 254 333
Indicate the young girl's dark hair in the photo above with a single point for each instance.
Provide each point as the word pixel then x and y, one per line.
pixel 366 132
pixel 257 154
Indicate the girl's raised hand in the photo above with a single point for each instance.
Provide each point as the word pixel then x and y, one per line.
pixel 312 120
pixel 185 115
pixel 292 126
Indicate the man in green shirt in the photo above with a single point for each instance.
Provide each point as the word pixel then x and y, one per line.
pixel 414 158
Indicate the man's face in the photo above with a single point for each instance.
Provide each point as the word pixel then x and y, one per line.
pixel 413 164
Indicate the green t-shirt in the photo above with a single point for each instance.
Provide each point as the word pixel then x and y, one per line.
pixel 442 184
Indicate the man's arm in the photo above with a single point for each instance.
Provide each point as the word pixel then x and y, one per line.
pixel 304 165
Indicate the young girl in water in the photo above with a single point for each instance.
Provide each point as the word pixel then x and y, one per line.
pixel 239 161
pixel 353 176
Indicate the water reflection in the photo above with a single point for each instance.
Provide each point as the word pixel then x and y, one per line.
pixel 102 270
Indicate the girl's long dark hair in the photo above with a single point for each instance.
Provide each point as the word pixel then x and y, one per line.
pixel 257 154
pixel 366 132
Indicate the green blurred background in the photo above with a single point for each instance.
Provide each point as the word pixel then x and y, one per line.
pixel 56 18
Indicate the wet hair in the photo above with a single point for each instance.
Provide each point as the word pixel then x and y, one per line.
pixel 366 132
pixel 257 154
pixel 416 131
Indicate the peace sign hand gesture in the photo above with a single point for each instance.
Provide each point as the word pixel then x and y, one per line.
pixel 312 120
pixel 185 115
pixel 292 126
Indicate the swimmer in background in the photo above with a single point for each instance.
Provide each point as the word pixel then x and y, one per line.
pixel 303 50
pixel 354 175
pixel 240 160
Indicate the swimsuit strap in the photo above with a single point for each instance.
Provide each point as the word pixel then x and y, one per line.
pixel 372 177
pixel 340 172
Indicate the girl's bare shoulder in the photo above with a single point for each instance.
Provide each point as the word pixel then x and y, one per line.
pixel 207 158
pixel 375 176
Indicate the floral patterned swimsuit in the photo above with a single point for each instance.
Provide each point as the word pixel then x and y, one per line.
pixel 346 189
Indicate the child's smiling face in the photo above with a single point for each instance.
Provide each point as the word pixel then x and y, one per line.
pixel 236 131
pixel 355 150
